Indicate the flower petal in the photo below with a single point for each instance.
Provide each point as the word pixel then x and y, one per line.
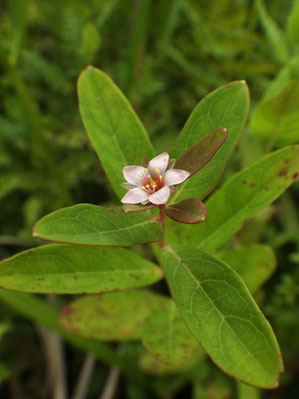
pixel 160 197
pixel 135 196
pixel 133 174
pixel 175 176
pixel 158 165
pixel 127 186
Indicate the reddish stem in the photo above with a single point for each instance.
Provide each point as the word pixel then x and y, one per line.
pixel 162 219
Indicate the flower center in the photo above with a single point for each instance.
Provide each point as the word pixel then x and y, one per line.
pixel 151 184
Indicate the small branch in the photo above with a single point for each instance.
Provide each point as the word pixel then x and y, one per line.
pixel 84 377
pixel 13 240
pixel 111 384
pixel 55 362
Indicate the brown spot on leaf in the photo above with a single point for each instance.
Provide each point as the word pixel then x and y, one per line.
pixel 252 184
pixel 286 161
pixel 134 276
pixel 184 345
pixel 283 172
pixel 75 277
pixel 244 181
pixel 265 265
pixel 66 311
pixel 39 278
pixel 295 175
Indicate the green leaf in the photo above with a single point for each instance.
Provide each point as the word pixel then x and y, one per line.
pixel 149 364
pixel 190 211
pixel 70 269
pixel 90 42
pixel 240 198
pixel 282 79
pixel 227 107
pixel 277 119
pixel 117 316
pixel 274 34
pixel 114 129
pixel 293 24
pixel 18 12
pixel 217 307
pixel 87 224
pixel 255 264
pixel 166 336
pixel 33 308
pixel 200 153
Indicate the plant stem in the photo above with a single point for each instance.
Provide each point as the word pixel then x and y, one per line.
pixel 162 219
pixel 84 377
pixel 111 384
pixel 55 362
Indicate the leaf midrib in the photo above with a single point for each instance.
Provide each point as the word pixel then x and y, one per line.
pixel 104 232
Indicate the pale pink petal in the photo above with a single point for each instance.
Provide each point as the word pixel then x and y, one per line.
pixel 133 174
pixel 157 166
pixel 160 197
pixel 175 176
pixel 128 186
pixel 135 196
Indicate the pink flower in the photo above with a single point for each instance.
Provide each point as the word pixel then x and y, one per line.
pixel 152 184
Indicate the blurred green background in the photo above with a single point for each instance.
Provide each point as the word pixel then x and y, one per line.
pixel 165 55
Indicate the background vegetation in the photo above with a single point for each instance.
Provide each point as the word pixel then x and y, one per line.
pixel 165 56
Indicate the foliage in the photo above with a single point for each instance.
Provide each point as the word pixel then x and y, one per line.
pixel 162 69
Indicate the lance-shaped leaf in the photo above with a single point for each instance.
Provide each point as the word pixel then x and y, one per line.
pixel 277 119
pixel 114 129
pixel 87 224
pixel 117 316
pixel 255 264
pixel 293 24
pixel 274 34
pixel 70 269
pixel 190 211
pixel 217 307
pixel 166 336
pixel 227 107
pixel 240 198
pixel 200 153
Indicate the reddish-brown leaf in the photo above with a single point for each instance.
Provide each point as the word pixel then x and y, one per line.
pixel 190 211
pixel 201 152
